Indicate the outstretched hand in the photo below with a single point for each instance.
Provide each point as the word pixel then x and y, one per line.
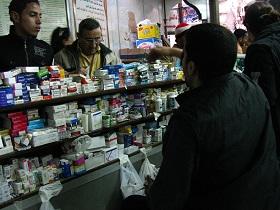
pixel 154 54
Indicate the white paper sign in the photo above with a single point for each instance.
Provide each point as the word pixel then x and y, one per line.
pixel 91 9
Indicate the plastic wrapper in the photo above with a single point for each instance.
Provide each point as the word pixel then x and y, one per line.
pixel 147 169
pixel 131 184
pixel 47 192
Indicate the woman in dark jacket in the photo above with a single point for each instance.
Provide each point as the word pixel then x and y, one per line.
pixel 262 62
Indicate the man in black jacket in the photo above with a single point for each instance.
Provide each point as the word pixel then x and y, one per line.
pixel 20 47
pixel 262 62
pixel 219 150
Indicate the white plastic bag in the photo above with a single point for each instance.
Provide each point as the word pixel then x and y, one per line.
pixel 147 169
pixel 131 184
pixel 47 192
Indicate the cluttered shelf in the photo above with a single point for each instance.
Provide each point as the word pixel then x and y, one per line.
pixel 65 180
pixel 94 133
pixel 78 97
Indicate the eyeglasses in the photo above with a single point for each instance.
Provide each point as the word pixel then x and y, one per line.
pixel 96 40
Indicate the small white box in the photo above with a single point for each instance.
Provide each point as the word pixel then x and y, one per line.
pixel 110 153
pixel 56 108
pixel 30 69
pixel 95 121
pixel 18 86
pixel 95 161
pixel 6 74
pixel 17 93
pixel 57 122
pixel 10 81
pixel 57 115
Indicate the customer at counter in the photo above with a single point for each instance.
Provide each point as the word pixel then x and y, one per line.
pixel 219 150
pixel 87 53
pixel 20 47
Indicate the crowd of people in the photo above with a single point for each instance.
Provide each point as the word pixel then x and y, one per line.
pixel 222 144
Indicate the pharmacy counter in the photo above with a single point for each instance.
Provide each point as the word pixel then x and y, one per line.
pixel 98 189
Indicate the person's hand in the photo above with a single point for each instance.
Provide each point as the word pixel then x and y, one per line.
pixel 83 71
pixel 155 53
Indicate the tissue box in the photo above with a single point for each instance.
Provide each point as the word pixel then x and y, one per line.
pixel 148 43
pixel 148 31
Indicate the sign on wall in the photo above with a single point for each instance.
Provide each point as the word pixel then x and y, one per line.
pixel 53 15
pixel 91 9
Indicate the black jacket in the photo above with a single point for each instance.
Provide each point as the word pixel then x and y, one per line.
pixel 17 52
pixel 262 63
pixel 68 57
pixel 219 151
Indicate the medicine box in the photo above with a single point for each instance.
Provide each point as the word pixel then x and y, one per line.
pixel 148 31
pixel 148 43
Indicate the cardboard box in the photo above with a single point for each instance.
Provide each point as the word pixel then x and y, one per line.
pixel 148 31
pixel 148 43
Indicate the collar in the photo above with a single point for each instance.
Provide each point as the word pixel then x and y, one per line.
pixel 214 82
pixel 17 37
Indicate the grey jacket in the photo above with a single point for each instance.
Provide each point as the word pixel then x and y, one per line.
pixel 68 57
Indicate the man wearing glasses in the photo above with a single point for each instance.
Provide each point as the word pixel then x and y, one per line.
pixel 87 53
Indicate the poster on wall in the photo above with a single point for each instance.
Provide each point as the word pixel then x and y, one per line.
pixel 53 15
pixel 232 13
pixel 182 12
pixel 91 9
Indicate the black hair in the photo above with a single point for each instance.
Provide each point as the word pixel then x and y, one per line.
pixel 19 5
pixel 259 15
pixel 212 48
pixel 88 24
pixel 239 33
pixel 58 35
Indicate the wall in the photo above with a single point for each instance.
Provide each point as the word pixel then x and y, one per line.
pixel 202 5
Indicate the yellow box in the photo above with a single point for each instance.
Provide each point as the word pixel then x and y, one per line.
pixel 148 31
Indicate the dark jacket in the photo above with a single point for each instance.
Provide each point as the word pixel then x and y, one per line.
pixel 18 52
pixel 262 64
pixel 219 151
pixel 68 57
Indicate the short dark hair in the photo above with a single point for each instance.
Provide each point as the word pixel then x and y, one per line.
pixel 88 24
pixel 239 33
pixel 259 15
pixel 212 48
pixel 19 5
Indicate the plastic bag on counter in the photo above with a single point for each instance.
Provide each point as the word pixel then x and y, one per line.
pixel 131 184
pixel 47 192
pixel 147 169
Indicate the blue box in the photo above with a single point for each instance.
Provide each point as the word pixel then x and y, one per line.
pixel 148 43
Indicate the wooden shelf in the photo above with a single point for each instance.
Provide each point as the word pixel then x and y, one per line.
pixel 99 132
pixel 61 100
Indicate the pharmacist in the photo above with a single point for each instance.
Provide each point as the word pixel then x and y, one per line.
pixel 87 53
pixel 20 47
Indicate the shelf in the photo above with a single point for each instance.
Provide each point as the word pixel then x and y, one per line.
pixel 55 101
pixel 65 180
pixel 92 134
